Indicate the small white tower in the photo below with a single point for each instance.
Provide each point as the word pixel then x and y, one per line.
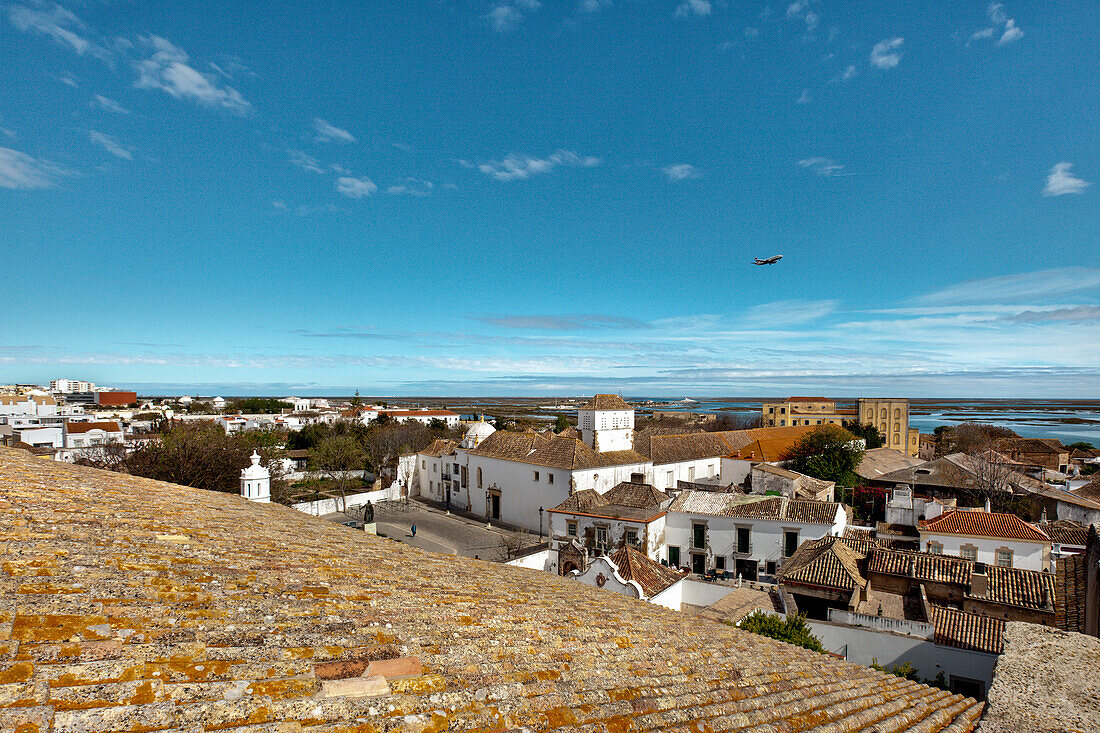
pixel 256 481
pixel 607 423
pixel 478 432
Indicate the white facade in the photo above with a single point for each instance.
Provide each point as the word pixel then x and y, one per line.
pixel 92 438
pixel 604 574
pixel 68 386
pixel 40 405
pixel 907 510
pixel 606 430
pixel 50 437
pixel 704 470
pixel 609 533
pixel 723 548
pixel 256 481
pixel 1012 553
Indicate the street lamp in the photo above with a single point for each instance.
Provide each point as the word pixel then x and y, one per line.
pixel 540 524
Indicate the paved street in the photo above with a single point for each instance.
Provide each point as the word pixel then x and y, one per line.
pixel 437 531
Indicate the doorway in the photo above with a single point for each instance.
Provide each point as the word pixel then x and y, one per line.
pixel 494 506
pixel 747 569
pixel 698 563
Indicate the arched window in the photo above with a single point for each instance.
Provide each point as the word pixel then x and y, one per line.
pixel 882 413
pixel 897 412
pixel 479 477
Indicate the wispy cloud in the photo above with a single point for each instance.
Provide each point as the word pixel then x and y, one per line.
pixel 109 105
pixel 355 188
pixel 519 167
pixel 804 97
pixel 595 6
pixel 53 21
pixel 887 54
pixel 411 187
pixel 788 312
pixel 506 16
pixel 849 73
pixel 800 10
pixel 1021 288
pixel 303 161
pixel 21 171
pixel 1061 181
pixel 680 171
pixel 576 322
pixel 822 166
pixel 110 144
pixel 1003 27
pixel 328 133
pixel 167 69
pixel 696 8
pixel 1076 314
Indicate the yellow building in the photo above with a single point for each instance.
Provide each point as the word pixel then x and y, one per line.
pixel 890 416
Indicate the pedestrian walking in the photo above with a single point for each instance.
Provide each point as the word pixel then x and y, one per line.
pixel 414 530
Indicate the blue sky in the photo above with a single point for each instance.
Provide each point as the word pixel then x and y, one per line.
pixel 524 197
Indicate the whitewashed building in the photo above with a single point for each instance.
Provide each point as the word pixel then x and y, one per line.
pixel 91 434
pixel 746 535
pixel 1003 540
pixel 629 515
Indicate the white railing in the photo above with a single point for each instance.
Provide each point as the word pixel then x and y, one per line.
pixel 918 629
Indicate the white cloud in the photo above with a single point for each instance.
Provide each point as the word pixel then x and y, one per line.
pixel 822 166
pixel 1019 288
pixel 800 10
pixel 698 8
pixel 21 171
pixel 887 54
pixel 804 97
pixel 518 167
pixel 327 133
pixel 849 73
pixel 305 162
pixel 412 187
pixel 108 104
pixel 506 16
pixel 55 22
pixel 788 312
pixel 278 204
pixel 355 188
pixel 1061 181
pixel 68 80
pixel 1002 24
pixel 595 6
pixel 7 132
pixel 1076 314
pixel 680 171
pixel 110 144
pixel 167 69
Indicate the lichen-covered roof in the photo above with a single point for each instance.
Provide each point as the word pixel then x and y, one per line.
pixel 825 563
pixel 550 450
pixel 129 604
pixel 1065 532
pixel 967 630
pixel 637 566
pixel 606 402
pixel 755 506
pixel 983 524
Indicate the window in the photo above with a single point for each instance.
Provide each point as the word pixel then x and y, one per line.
pixel 571 529
pixel 632 537
pixel 1004 558
pixel 769 567
pixel 456 468
pixel 699 536
pixel 935 548
pixel 870 414
pixel 790 542
pixel 549 478
pixel 782 410
pixel 668 479
pixel 435 468
pixel 691 473
pixel 536 475
pixel 968 552
pixel 674 557
pixel 897 413
pixel 424 465
pixel 744 540
pixel 897 439
pixel 479 477
pixel 897 427
pixel 882 413
pixel 782 422
pixel 771 410
pixel 719 562
pixel 601 538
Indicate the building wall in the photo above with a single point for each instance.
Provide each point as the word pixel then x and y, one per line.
pixel 666 475
pixel 734 471
pixel 115 399
pixel 651 535
pixel 1025 555
pixel 607 430
pixel 765 536
pixel 42 437
pixel 891 417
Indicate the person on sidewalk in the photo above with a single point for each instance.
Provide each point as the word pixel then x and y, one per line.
pixel 414 530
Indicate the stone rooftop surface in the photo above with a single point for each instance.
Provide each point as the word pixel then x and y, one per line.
pixel 129 604
pixel 1044 682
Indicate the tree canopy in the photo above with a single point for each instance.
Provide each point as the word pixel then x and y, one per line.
pixel 827 453
pixel 258 406
pixel 870 434
pixel 792 629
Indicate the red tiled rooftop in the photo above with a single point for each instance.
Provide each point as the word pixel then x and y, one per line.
pixel 984 524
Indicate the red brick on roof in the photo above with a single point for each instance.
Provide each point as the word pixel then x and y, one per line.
pixel 86 427
pixel 808 399
pixel 984 524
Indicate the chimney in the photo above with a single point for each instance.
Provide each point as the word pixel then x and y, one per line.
pixel 987 505
pixel 1043 516
pixel 639 478
pixel 979 581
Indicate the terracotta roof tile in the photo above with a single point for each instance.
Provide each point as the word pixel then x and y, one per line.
pixel 133 604
pixel 755 506
pixel 606 402
pixel 983 524
pixel 825 563
pixel 548 449
pixel 968 630
pixel 76 428
pixel 1065 532
pixel 636 566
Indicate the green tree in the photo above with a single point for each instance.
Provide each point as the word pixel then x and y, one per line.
pixel 1081 445
pixel 870 434
pixel 792 629
pixel 561 423
pixel 258 406
pixel 356 402
pixel 828 454
pixel 338 458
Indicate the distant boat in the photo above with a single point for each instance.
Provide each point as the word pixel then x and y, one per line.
pixel 689 401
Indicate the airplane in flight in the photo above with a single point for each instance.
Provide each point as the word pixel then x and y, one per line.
pixel 768 261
